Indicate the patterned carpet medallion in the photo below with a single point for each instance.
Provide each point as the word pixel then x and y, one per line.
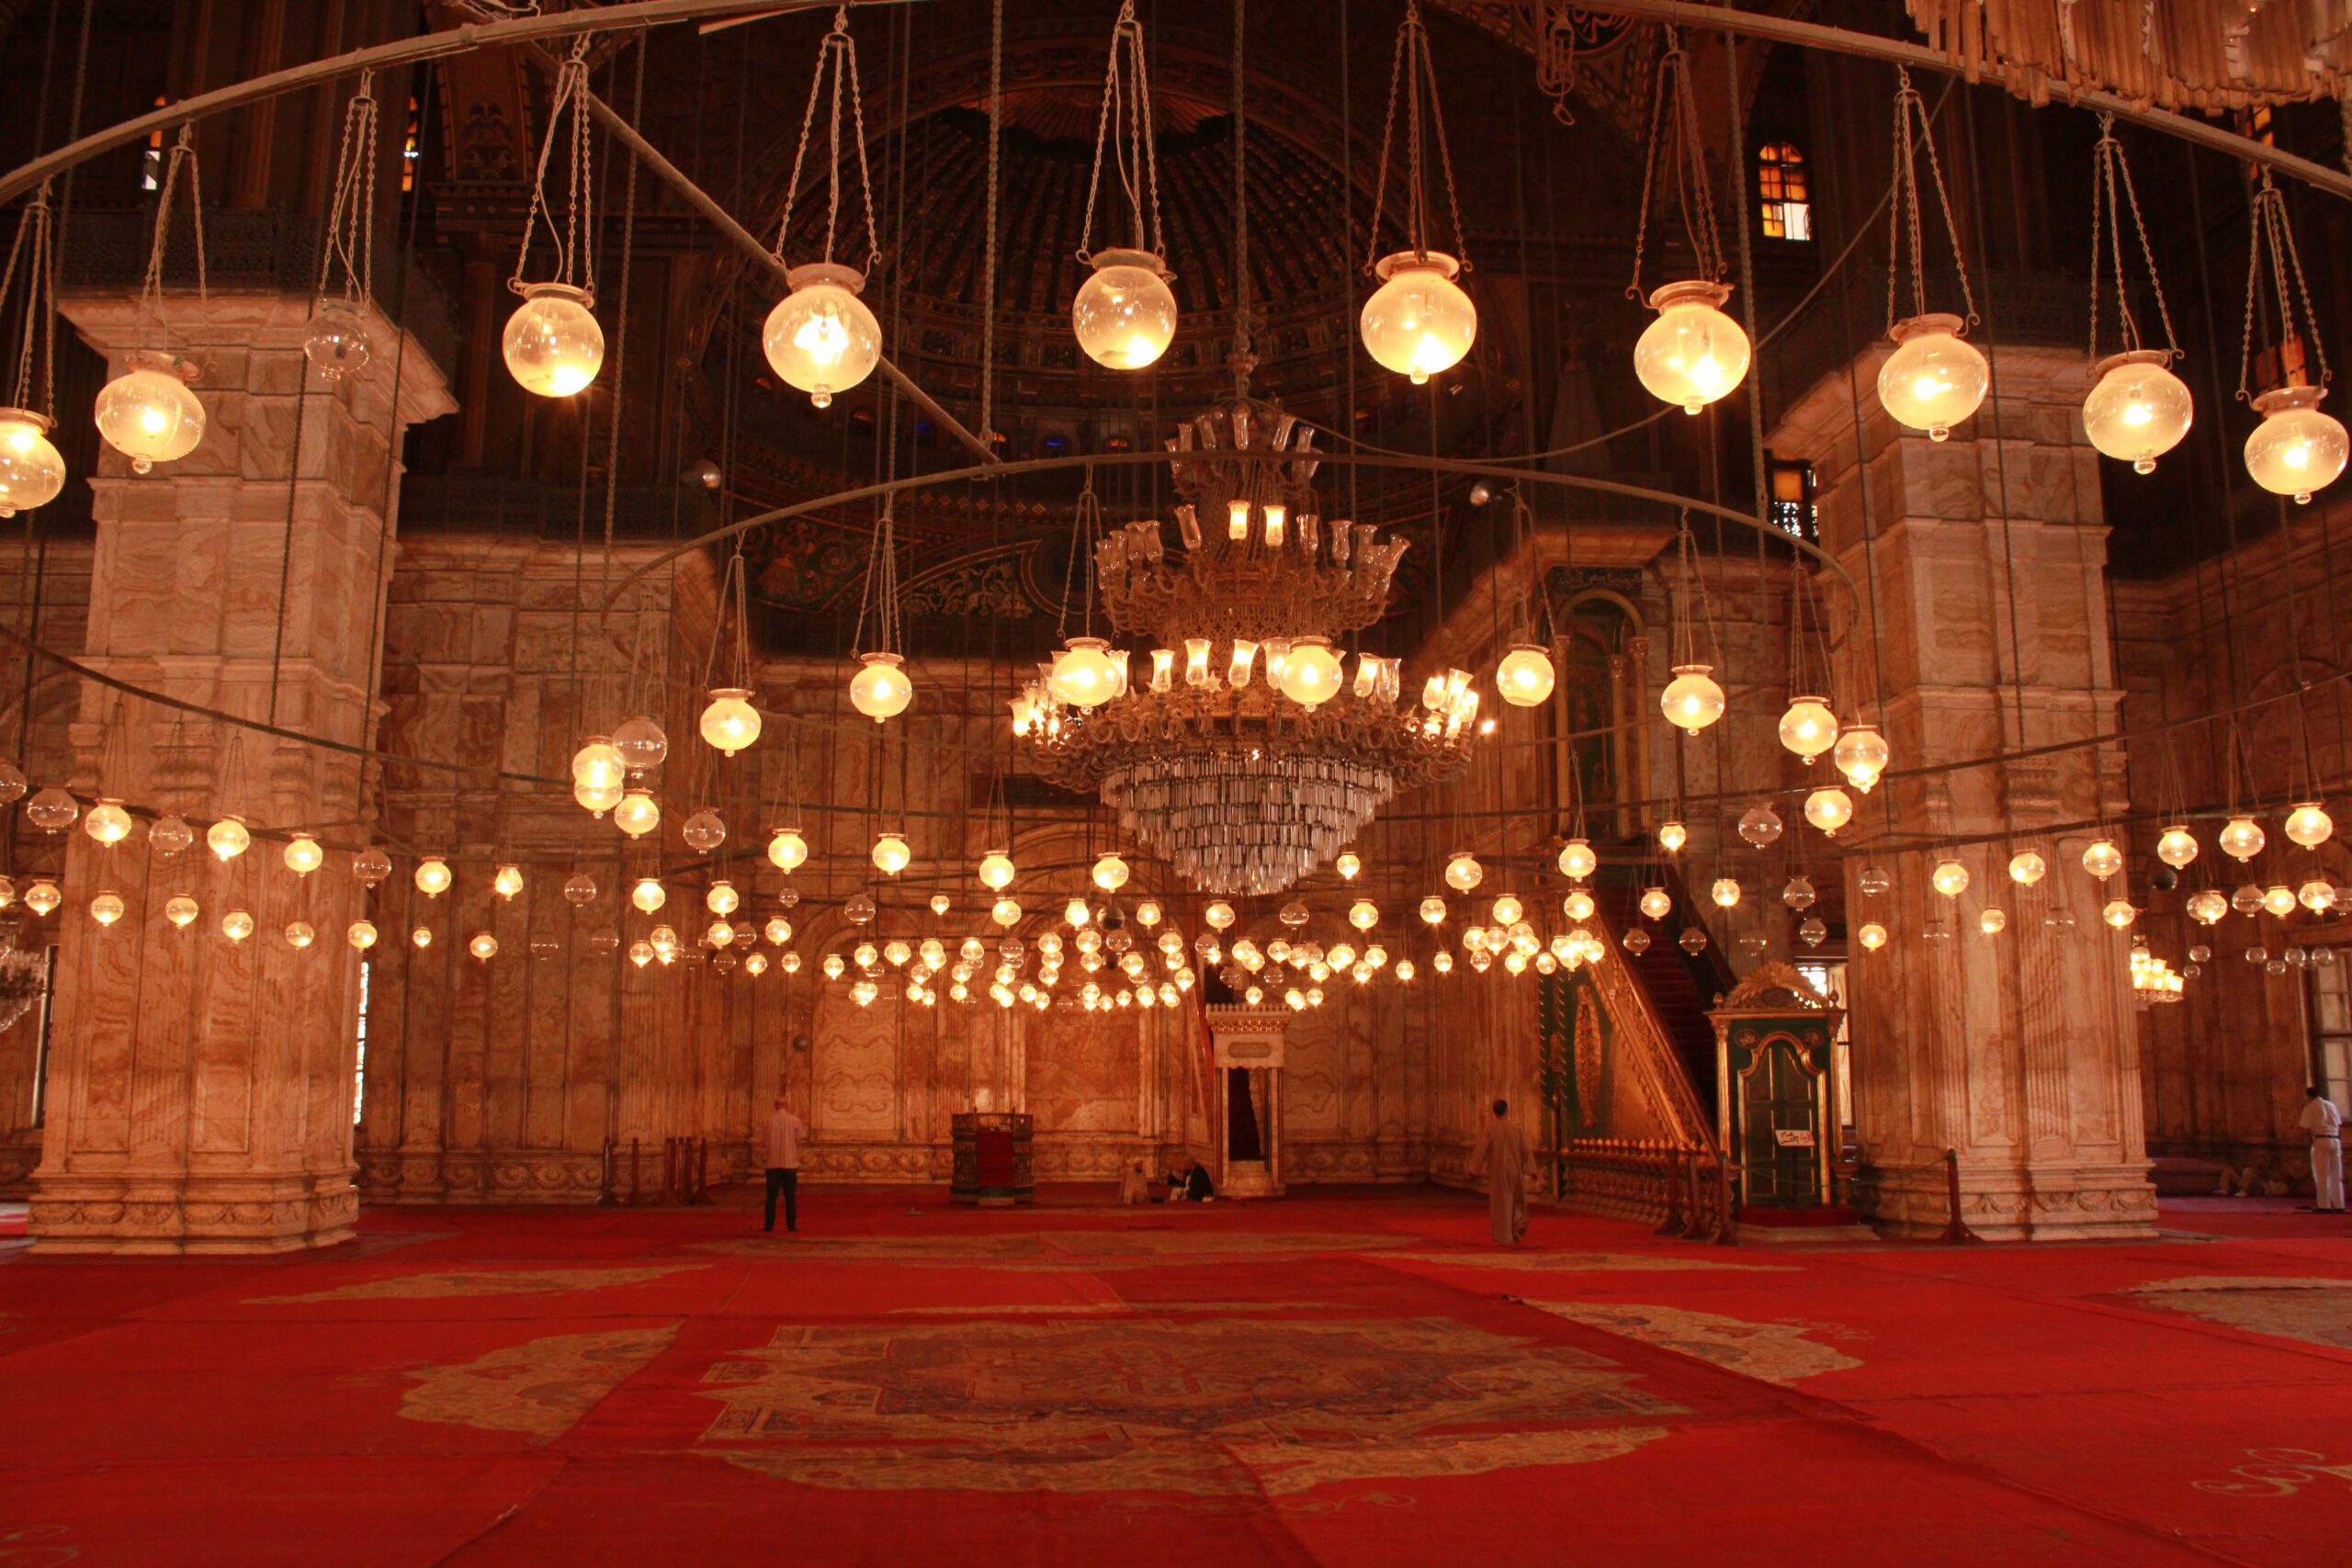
pixel 1209 1407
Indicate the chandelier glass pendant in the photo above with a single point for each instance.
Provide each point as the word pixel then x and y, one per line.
pixel 2296 449
pixel 148 413
pixel 33 471
pixel 553 344
pixel 1693 354
pixel 1244 784
pixel 820 338
pixel 2139 410
pixel 1124 314
pixel 1418 322
pixel 1933 380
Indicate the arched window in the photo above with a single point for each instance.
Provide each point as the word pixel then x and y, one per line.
pixel 1780 191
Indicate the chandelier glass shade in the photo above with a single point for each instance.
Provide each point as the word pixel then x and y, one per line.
pixel 337 343
pixel 2138 411
pixel 1808 727
pixel 1829 809
pixel 33 471
pixel 1693 354
pixel 148 413
pixel 2176 846
pixel 1949 879
pixel 2102 859
pixel 638 814
pixel 880 690
pixel 2309 825
pixel 228 839
pixel 1418 322
pixel 641 743
pixel 2296 449
pixel 1672 835
pixel 2027 867
pixel 787 851
pixel 1086 674
pixel 1524 677
pixel 109 823
pixel 181 910
pixel 2243 839
pixel 1577 860
pixel 1862 755
pixel 1932 381
pixel 553 344
pixel 821 337
pixel 730 723
pixel 1124 314
pixel 360 934
pixel 303 856
pixel 1692 700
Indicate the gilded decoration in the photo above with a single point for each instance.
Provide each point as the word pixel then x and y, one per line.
pixel 1771 1352
pixel 541 1387
pixel 1216 1407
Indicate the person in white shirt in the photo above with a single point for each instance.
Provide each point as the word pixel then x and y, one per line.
pixel 2324 1122
pixel 782 1140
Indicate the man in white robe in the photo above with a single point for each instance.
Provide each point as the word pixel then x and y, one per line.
pixel 1502 1156
pixel 2324 1122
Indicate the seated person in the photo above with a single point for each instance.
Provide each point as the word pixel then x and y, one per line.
pixel 1189 1183
pixel 1135 1186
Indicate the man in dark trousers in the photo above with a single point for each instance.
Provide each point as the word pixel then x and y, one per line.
pixel 782 1139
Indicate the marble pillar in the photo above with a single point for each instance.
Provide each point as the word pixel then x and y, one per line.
pixel 202 1088
pixel 1982 628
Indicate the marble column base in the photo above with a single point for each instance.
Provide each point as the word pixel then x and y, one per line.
pixel 2044 1204
pixel 133 1214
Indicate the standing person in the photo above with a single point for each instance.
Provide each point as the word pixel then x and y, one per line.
pixel 1502 1155
pixel 2324 1122
pixel 781 1138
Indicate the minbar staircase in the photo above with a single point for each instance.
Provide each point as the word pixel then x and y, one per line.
pixel 1673 982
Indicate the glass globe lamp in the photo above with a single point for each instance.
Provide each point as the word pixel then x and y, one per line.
pixel 148 413
pixel 821 337
pixel 1109 873
pixel 1829 809
pixel 482 946
pixel 2296 449
pixel 2119 913
pixel 1760 825
pixel 2102 859
pixel 108 823
pixel 704 831
pixel 2309 825
pixel 730 723
pixel 1578 905
pixel 1005 912
pixel 1725 892
pixel 996 871
pixel 1463 873
pixel 880 690
pixel 1524 677
pixel 1693 354
pixel 236 925
pixel 580 890
pixel 1932 381
pixel 228 839
pixel 598 762
pixel 1694 939
pixel 641 743
pixel 1077 913
pixel 1949 879
pixel 33 471
pixel 303 856
pixel 42 897
pixel 941 903
pixel 300 934
pixel 1799 893
pixel 2279 900
pixel 432 878
pixel 1692 700
pixel 337 343
pixel 422 937
pixel 1418 322
pixel 2318 896
pixel 13 782
pixel 107 908
pixel 2242 840
pixel 638 814
pixel 553 344
pixel 1219 915
pixel 1311 678
pixel 1124 314
pixel 722 899
pixel 2176 846
pixel 1808 728
pixel 1672 835
pixel 1577 861
pixel 2246 899
pixel 891 855
pixel 1991 922
pixel 2138 411
pixel 596 799
pixel 170 835
pixel 2206 906
pixel 181 910
pixel 1862 755
pixel 1656 904
pixel 1433 911
pixel 1872 936
pixel 787 851
pixel 1873 880
pixel 2026 868
pixel 1508 910
pixel 1085 674
pixel 53 810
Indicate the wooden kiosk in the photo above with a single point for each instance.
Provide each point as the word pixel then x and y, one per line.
pixel 1775 1086
pixel 1244 1113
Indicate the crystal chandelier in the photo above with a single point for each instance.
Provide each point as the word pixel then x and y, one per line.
pixel 1246 755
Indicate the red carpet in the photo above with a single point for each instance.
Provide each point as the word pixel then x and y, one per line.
pixel 1352 1377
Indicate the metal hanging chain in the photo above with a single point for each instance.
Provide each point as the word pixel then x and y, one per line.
pixel 1085 527
pixel 2272 231
pixel 1409 72
pixel 731 592
pixel 1126 125
pixel 351 216
pixel 34 250
pixel 987 263
pixel 1694 583
pixel 2111 195
pixel 878 596
pixel 838 50
pixel 1674 113
pixel 1903 212
pixel 575 263
pixel 151 287
pixel 1244 358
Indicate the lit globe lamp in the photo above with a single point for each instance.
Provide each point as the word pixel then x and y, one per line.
pixel 1672 835
pixel 181 910
pixel 2176 846
pixel 1577 861
pixel 941 903
pixel 1433 911
pixel 42 897
pixel 109 823
pixel 2138 411
pixel 1693 354
pixel 1219 915
pixel 1862 755
pixel 553 344
pixel 1524 677
pixel 1808 728
pixel 821 337
pixel 2242 840
pixel 2208 906
pixel 891 855
pixel 483 946
pixel 1578 905
pixel 722 899
pixel 1077 913
pixel 1725 892
pixel 148 413
pixel 1692 700
pixel 32 472
pixel 1005 912
pixel 598 762
pixel 1124 314
pixel 1463 873
pixel 422 937
pixel 595 798
pixel 1829 809
pixel 361 935
pixel 730 723
pixel 2296 449
pixel 1109 873
pixel 1949 879
pixel 1311 678
pixel 996 871
pixel 1347 865
pixel 1364 914
pixel 302 854
pixel 1086 674
pixel 228 839
pixel 1872 937
pixel 2102 859
pixel 300 934
pixel 236 925
pixel 1656 903
pixel 2318 896
pixel 787 851
pixel 2309 825
pixel 432 878
pixel 638 814
pixel 1991 922
pixel 107 908
pixel 1508 910
pixel 2279 900
pixel 2119 913
pixel 2026 868
pixel 1932 381
pixel 880 690
pixel 1418 322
